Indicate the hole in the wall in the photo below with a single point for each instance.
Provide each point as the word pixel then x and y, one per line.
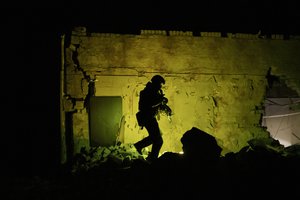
pixel 282 112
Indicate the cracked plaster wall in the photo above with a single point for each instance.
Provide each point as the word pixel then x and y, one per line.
pixel 217 84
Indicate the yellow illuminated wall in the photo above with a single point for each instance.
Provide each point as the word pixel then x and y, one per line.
pixel 202 102
pixel 217 84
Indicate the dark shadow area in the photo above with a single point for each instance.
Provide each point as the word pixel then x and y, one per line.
pixel 32 139
pixel 264 168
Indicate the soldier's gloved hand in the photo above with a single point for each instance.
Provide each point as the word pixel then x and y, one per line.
pixel 165 100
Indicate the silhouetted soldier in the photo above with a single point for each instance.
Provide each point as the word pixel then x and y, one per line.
pixel 151 101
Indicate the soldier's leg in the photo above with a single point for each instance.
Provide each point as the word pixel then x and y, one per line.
pixel 143 143
pixel 156 138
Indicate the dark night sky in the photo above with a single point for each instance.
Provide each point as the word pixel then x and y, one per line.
pixel 33 54
pixel 122 17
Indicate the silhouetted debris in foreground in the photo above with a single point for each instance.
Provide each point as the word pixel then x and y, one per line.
pixel 264 168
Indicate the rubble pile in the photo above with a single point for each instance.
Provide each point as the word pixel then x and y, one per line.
pixel 120 155
pixel 264 168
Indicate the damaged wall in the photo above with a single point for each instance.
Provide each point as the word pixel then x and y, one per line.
pixel 217 84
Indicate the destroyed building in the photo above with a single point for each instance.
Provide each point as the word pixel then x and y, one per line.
pixel 233 86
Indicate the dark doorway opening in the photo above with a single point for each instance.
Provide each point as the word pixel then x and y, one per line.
pixel 104 120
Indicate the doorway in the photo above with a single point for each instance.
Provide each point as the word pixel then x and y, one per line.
pixel 105 115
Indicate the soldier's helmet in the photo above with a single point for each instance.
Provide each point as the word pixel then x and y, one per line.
pixel 157 79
